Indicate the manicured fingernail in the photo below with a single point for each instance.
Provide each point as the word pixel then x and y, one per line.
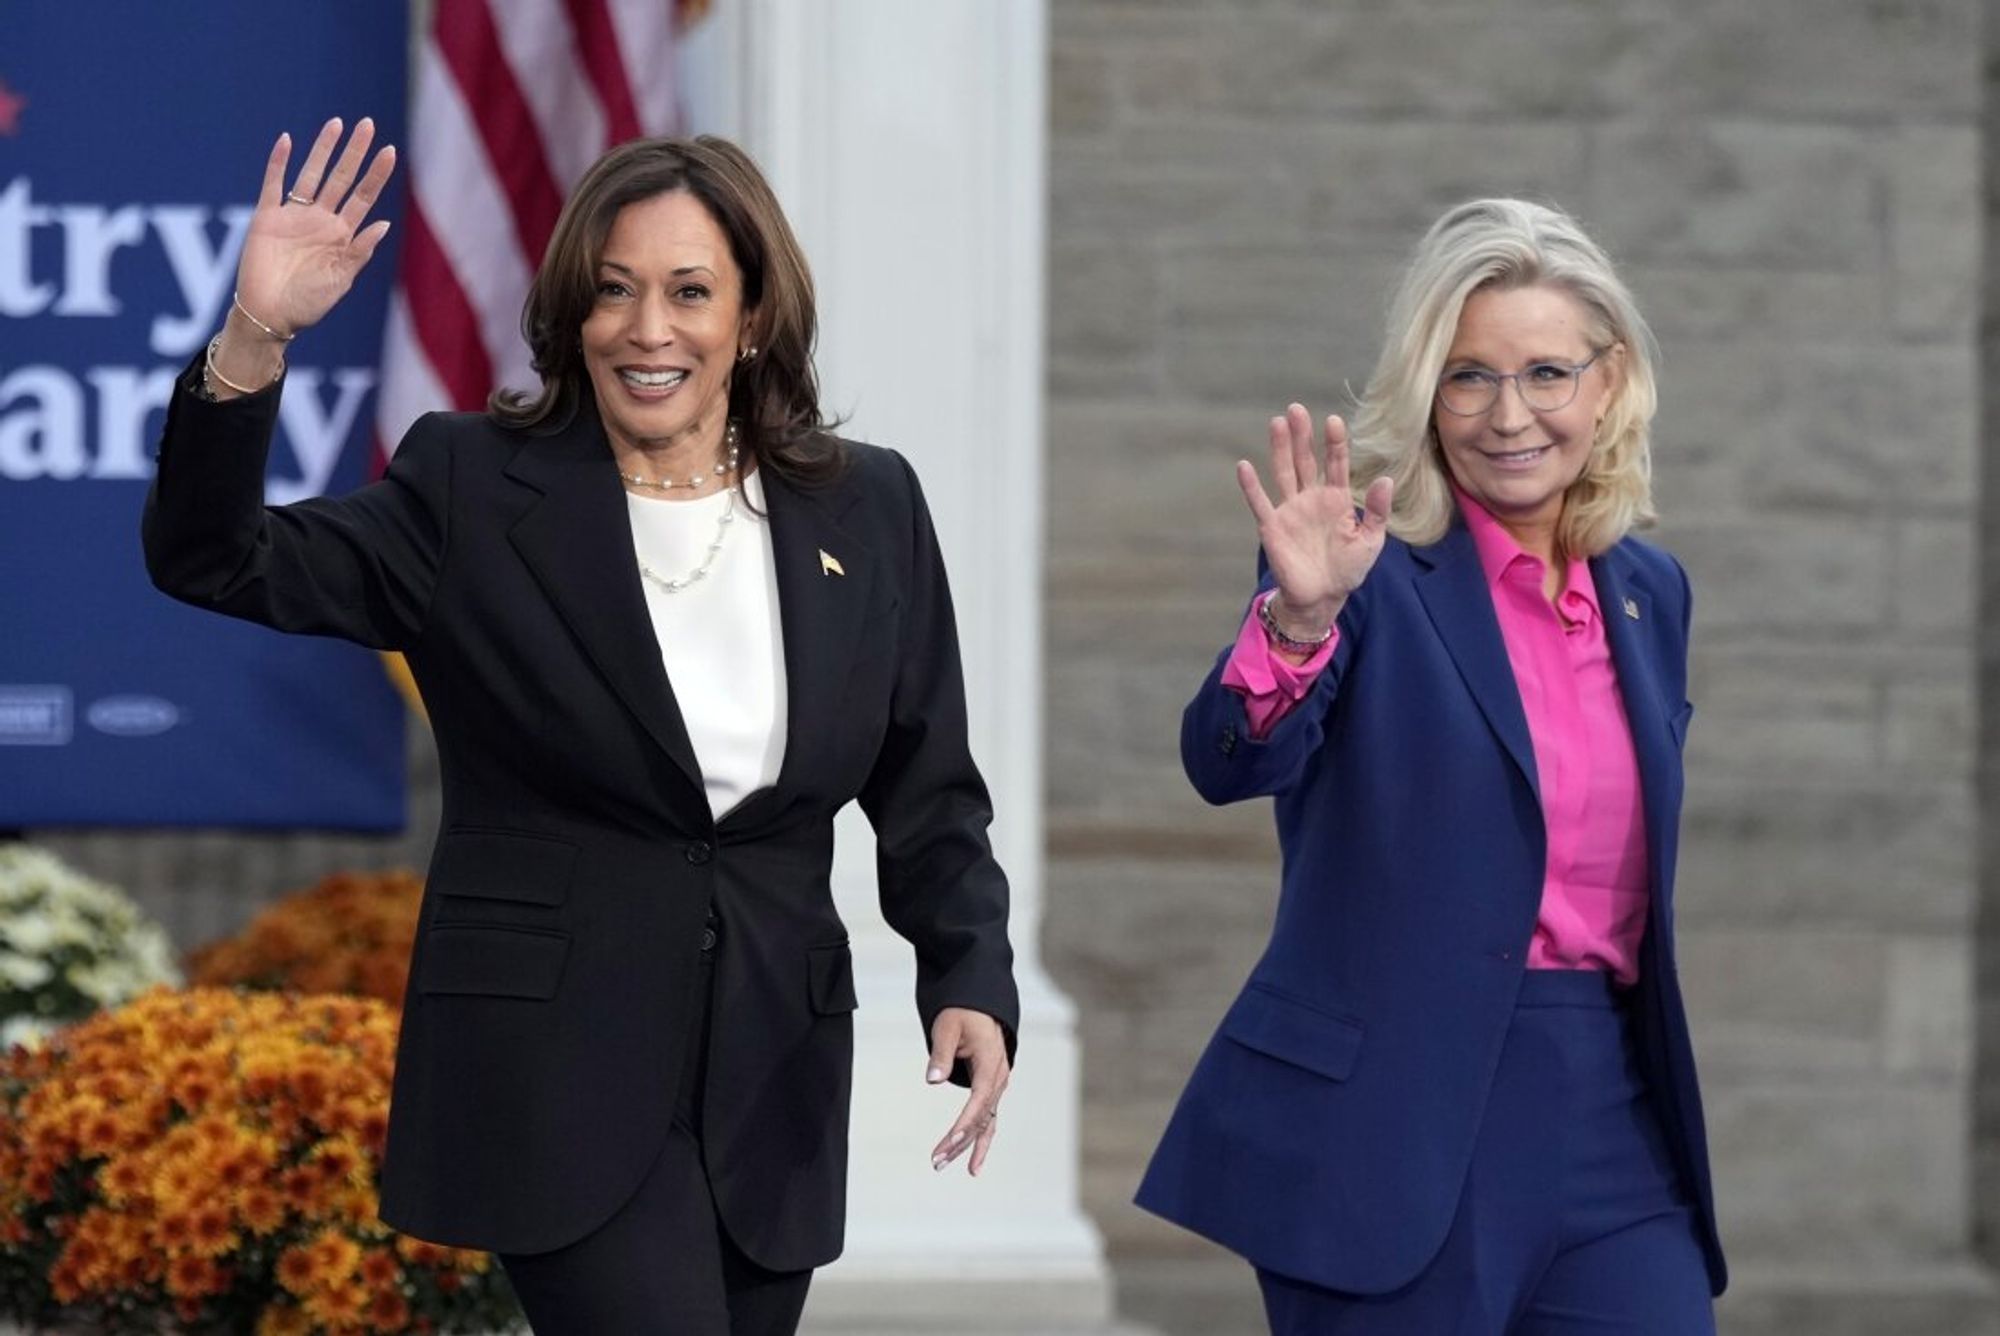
pixel 938 1162
pixel 934 1075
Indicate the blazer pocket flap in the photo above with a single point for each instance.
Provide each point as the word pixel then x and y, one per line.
pixel 492 961
pixel 503 865
pixel 830 975
pixel 1294 1032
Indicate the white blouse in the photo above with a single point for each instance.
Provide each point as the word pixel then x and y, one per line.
pixel 720 636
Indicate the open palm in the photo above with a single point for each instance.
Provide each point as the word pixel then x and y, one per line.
pixel 304 248
pixel 1318 548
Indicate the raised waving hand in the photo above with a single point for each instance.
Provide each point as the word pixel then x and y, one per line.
pixel 305 245
pixel 1318 547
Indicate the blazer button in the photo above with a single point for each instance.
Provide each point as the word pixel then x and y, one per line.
pixel 1228 741
pixel 699 853
pixel 708 939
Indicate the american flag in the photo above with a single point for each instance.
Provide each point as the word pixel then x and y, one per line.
pixel 513 100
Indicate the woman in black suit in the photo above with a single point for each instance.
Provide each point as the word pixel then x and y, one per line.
pixel 666 625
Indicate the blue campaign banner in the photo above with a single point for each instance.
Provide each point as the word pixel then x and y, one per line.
pixel 132 140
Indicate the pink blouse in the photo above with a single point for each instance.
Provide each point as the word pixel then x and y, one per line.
pixel 1594 890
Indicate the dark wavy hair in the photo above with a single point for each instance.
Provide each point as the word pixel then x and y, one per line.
pixel 775 395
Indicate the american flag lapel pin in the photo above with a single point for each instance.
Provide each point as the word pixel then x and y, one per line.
pixel 830 565
pixel 1632 608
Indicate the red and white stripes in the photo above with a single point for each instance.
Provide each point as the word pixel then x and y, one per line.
pixel 514 99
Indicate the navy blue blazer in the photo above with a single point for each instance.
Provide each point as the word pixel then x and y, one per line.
pixel 1328 1127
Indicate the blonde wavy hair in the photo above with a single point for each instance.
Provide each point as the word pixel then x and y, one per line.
pixel 1505 244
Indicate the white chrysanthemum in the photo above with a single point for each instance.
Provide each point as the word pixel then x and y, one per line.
pixel 24 972
pixel 27 1031
pixel 69 944
pixel 103 983
pixel 32 932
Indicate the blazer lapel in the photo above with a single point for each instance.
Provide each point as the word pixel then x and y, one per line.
pixel 1629 609
pixel 577 539
pixel 1460 605
pixel 825 575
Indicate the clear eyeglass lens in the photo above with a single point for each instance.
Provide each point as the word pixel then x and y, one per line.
pixel 1545 388
pixel 1550 387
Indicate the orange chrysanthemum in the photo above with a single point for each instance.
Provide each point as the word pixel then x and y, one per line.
pixel 193 1277
pixel 351 933
pixel 283 1320
pixel 297 1269
pixel 388 1311
pixel 260 1208
pixel 193 1149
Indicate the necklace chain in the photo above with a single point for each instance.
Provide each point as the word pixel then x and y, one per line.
pixel 723 468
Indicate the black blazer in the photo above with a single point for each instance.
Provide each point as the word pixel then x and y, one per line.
pixel 577 863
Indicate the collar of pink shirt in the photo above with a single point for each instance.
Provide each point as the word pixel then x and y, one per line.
pixel 1505 561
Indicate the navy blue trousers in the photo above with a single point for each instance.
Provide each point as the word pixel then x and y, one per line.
pixel 663 1265
pixel 1572 1223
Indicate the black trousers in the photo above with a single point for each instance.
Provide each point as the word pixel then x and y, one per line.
pixel 663 1265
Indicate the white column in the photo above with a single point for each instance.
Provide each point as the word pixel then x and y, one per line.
pixel 905 140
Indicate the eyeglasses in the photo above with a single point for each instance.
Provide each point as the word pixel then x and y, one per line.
pixel 1545 386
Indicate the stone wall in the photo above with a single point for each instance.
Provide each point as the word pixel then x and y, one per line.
pixel 1793 191
pixel 1986 1091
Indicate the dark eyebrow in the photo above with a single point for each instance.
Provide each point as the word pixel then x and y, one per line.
pixel 681 272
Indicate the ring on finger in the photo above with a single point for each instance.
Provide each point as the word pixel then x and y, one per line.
pixel 293 197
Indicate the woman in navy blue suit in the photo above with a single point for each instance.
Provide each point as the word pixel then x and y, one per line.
pixel 1456 1094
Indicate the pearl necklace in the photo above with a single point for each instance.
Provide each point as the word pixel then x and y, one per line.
pixel 723 468
pixel 728 517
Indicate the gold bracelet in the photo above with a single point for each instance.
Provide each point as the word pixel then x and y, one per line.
pixel 237 302
pixel 209 372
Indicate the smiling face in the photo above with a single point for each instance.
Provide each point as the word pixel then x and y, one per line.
pixel 1513 459
pixel 664 334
